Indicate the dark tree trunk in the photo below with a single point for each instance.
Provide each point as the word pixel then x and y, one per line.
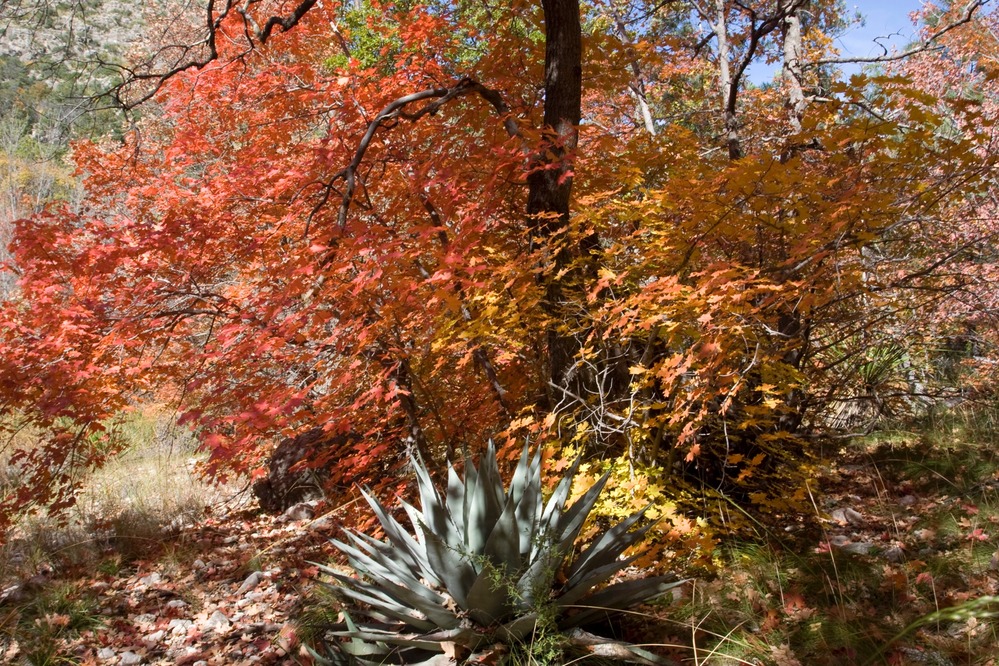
pixel 550 180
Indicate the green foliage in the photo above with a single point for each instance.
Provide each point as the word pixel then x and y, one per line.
pixel 675 540
pixel 480 566
pixel 17 88
pixel 948 450
pixel 360 41
pixel 815 606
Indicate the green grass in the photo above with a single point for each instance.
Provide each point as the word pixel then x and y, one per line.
pixel 134 508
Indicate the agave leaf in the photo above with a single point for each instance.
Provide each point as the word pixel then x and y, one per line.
pixel 415 517
pixel 419 557
pixel 433 510
pixel 464 636
pixel 357 651
pixel 569 524
pixel 576 591
pixel 413 514
pixel 334 655
pixel 526 492
pixel 535 583
pixel 502 548
pixel 402 603
pixel 563 524
pixel 454 569
pixel 608 547
pixel 485 503
pixel 515 630
pixel 553 509
pixel 385 573
pixel 615 597
pixel 377 559
pixel 471 484
pixel 455 494
pixel 413 561
pixel 385 608
pixel 358 647
pixel 436 660
pixel 521 473
pixel 494 553
pixel 489 470
pixel 397 602
pixel 391 638
pixel 364 565
pixel 488 600
pixel 406 545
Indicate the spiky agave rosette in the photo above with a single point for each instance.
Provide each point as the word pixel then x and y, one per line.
pixel 483 566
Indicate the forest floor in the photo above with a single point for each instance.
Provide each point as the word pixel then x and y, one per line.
pixel 902 567
pixel 223 591
pixel 904 570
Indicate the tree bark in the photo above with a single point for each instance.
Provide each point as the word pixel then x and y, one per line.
pixel 791 70
pixel 637 86
pixel 550 178
pixel 727 86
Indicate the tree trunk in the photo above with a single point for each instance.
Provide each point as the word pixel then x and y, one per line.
pixel 727 86
pixel 791 71
pixel 550 179
pixel 637 86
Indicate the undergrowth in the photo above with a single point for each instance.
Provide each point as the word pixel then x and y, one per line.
pixel 909 575
pixel 127 510
pixel 43 625
pixel 906 569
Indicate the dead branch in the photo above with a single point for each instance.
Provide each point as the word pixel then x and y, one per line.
pixel 928 44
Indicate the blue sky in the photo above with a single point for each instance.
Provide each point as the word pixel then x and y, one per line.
pixel 887 20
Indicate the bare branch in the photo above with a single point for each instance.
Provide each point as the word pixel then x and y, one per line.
pixel 397 109
pixel 181 63
pixel 189 57
pixel 286 23
pixel 928 44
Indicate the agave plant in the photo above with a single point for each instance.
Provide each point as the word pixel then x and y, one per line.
pixel 481 569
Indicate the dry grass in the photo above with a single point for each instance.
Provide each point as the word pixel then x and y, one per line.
pixel 130 509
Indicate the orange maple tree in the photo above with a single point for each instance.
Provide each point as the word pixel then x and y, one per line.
pixel 431 225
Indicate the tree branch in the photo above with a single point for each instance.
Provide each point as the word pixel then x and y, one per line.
pixel 928 44
pixel 397 109
pixel 183 62
pixel 286 23
pixel 131 76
